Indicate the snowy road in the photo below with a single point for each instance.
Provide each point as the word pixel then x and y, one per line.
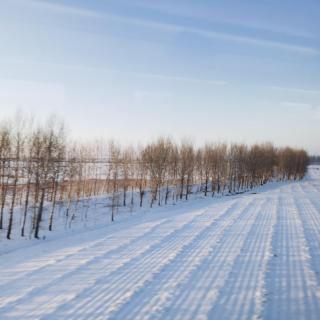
pixel 254 256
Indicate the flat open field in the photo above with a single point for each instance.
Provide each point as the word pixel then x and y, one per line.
pixel 252 256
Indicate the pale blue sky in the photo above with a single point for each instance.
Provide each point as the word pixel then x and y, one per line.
pixel 244 71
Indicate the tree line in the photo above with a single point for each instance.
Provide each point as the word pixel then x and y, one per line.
pixel 40 167
pixel 314 159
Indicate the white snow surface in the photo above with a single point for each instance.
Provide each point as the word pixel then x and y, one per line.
pixel 251 256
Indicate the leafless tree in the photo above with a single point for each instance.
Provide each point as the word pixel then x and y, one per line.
pixel 40 169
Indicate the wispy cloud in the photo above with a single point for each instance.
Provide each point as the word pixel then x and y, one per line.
pixel 176 28
pixel 257 42
pixel 180 78
pixel 64 9
pixel 140 95
pixel 295 90
pixel 308 109
pixel 298 105
pixel 186 12
pixel 160 76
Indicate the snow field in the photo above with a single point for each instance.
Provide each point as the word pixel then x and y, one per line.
pixel 253 256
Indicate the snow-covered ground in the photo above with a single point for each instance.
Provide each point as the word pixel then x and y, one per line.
pixel 242 257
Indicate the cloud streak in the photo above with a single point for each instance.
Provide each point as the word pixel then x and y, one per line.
pixel 298 105
pixel 183 11
pixel 181 79
pixel 64 9
pixel 176 28
pixel 295 90
pixel 160 76
pixel 309 109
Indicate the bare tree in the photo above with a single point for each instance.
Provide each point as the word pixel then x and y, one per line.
pixel 156 158
pixel 115 161
pixel 40 168
pixel 48 155
pixel 17 145
pixel 5 162
pixel 186 165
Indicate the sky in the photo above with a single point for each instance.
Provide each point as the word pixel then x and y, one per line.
pixel 206 70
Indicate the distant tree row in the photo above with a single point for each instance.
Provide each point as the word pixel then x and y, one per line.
pixel 314 159
pixel 39 168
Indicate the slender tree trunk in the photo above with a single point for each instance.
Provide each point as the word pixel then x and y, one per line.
pixel 124 196
pixel 55 188
pixel 131 196
pixel 181 188
pixel 3 201
pixel 26 205
pixel 159 194
pixel 167 194
pixel 187 186
pixel 12 207
pixel 39 215
pixel 14 192
pixel 206 186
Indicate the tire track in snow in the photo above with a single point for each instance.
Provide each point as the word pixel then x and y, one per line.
pixel 67 285
pixel 60 258
pixel 111 292
pixel 188 266
pixel 148 301
pixel 48 276
pixel 310 216
pixel 195 297
pixel 309 188
pixel 290 281
pixel 242 295
pixel 56 250
pixel 32 266
pixel 26 269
